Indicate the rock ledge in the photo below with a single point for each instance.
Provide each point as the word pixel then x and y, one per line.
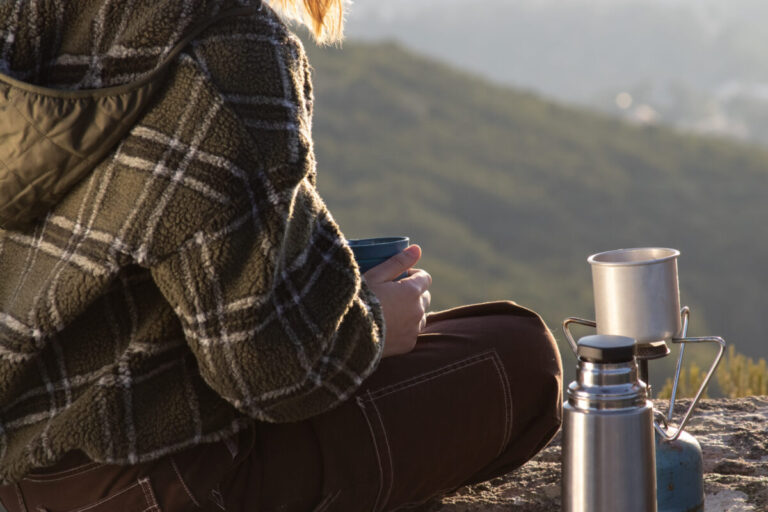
pixel 733 434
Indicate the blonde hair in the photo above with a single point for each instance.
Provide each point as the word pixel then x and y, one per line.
pixel 324 18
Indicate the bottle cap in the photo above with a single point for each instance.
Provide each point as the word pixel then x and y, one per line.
pixel 604 348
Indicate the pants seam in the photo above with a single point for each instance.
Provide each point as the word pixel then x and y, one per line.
pixel 217 498
pixel 499 365
pixel 60 475
pixel 111 496
pixel 232 447
pixel 389 453
pixel 183 483
pixel 371 398
pixel 376 450
pixel 82 470
pixel 22 505
pixel 458 365
pixel 327 502
pixel 149 495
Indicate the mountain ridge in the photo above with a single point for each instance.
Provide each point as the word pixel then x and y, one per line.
pixel 508 193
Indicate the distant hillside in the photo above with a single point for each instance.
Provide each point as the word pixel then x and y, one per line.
pixel 699 65
pixel 509 194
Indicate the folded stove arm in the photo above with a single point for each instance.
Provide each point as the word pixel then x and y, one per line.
pixel 683 340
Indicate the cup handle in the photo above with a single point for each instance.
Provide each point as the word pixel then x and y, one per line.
pixel 567 330
pixel 707 339
pixel 685 314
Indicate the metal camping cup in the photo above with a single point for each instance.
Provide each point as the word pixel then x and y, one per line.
pixel 636 293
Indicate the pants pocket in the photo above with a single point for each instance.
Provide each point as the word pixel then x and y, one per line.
pixel 433 431
pixel 138 497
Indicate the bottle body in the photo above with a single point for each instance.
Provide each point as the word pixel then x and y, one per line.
pixel 608 460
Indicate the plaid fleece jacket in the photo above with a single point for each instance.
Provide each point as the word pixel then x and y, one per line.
pixel 168 272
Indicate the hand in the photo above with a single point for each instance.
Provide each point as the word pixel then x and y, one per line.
pixel 404 302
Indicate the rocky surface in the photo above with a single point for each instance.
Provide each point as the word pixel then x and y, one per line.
pixel 733 434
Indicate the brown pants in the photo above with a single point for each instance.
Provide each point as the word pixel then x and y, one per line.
pixel 479 396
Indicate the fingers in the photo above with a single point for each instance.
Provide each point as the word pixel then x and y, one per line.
pixel 394 266
pixel 419 279
pixel 423 323
pixel 419 270
pixel 426 299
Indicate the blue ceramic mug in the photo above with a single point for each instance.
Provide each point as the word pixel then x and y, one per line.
pixel 370 252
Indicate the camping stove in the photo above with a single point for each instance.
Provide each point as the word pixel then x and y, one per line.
pixel 637 296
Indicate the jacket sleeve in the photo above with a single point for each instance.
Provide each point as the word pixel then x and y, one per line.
pixel 267 291
pixel 277 315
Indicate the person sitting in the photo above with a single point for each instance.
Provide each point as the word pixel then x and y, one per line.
pixel 182 325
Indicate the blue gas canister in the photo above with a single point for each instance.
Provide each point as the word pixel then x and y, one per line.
pixel 679 474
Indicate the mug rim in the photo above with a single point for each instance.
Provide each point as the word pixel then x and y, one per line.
pixel 663 254
pixel 365 242
pixel 386 246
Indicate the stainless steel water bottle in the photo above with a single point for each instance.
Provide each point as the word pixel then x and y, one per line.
pixel 608 443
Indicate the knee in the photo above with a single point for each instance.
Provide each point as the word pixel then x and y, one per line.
pixel 532 362
pixel 530 354
pixel 524 345
pixel 546 369
pixel 522 338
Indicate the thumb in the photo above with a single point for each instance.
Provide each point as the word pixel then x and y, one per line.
pixel 394 266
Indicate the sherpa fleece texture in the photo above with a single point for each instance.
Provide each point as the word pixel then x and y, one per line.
pixel 193 281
